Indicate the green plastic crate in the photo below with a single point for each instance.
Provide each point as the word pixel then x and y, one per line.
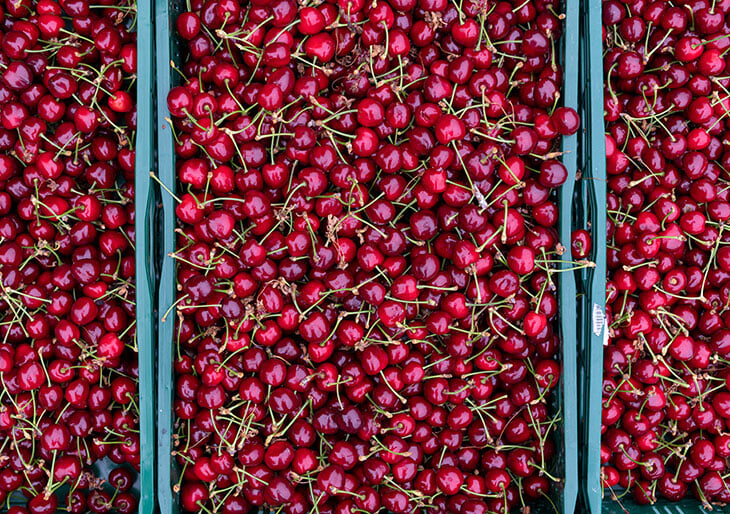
pixel 168 475
pixel 593 164
pixel 146 283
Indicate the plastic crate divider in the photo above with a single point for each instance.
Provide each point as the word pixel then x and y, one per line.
pixel 145 253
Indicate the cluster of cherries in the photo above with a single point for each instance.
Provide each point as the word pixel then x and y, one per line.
pixel 68 359
pixel 666 386
pixel 366 310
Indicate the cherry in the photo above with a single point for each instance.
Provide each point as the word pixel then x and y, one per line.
pixel 192 494
pixel 40 504
pixel 449 128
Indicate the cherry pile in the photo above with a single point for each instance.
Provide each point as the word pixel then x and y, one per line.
pixel 666 386
pixel 68 360
pixel 366 310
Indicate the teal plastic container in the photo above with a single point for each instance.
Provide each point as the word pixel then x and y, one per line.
pixel 566 462
pixel 593 331
pixel 146 283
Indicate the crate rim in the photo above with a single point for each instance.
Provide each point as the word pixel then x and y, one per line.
pixel 595 169
pixel 165 153
pixel 145 280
